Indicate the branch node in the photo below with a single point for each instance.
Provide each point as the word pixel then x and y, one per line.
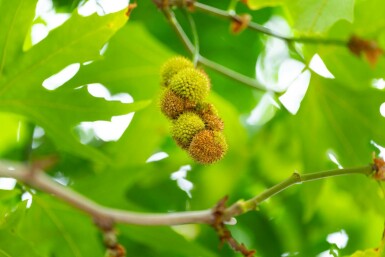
pixel 113 248
pixel 378 167
pixel 225 234
pixel 104 223
pixel 240 23
pixel 130 8
pixel 297 177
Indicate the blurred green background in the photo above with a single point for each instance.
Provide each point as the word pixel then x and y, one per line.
pixel 338 119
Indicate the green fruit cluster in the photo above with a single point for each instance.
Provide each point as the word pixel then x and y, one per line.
pixel 196 126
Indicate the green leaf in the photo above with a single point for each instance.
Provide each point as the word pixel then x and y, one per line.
pixel 366 253
pixel 368 18
pixel 74 106
pixel 12 245
pixel 12 219
pixel 60 110
pixel 9 194
pixel 159 238
pixel 13 131
pixel 131 64
pixel 258 4
pixel 346 125
pixel 16 20
pixel 311 16
pixel 63 230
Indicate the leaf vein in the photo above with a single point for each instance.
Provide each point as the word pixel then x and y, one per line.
pixel 7 38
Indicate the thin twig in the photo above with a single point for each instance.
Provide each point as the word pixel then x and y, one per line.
pixel 202 60
pixel 179 30
pixel 39 180
pixel 241 207
pixel 195 38
pixel 257 27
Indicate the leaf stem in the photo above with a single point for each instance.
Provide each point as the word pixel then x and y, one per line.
pixel 241 207
pixel 257 27
pixel 195 38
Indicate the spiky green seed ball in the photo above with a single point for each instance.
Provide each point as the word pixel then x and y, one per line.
pixel 172 67
pixel 190 84
pixel 208 147
pixel 186 127
pixel 173 105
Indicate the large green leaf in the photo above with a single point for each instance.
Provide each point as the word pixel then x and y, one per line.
pixel 16 20
pixel 341 119
pixel 366 253
pixel 12 245
pixel 258 4
pixel 329 122
pixel 131 64
pixel 11 136
pixel 311 16
pixel 59 227
pixel 76 41
pixel 160 238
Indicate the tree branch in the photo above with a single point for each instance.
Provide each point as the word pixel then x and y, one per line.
pixel 257 27
pixel 39 180
pixel 206 62
pixel 241 207
pixel 105 215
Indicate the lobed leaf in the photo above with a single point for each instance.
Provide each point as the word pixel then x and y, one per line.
pixel 22 73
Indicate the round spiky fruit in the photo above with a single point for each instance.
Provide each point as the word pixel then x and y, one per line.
pixel 206 108
pixel 173 105
pixel 172 67
pixel 210 116
pixel 190 84
pixel 186 127
pixel 212 122
pixel 208 147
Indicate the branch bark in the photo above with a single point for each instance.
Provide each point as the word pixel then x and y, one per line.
pixel 39 180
